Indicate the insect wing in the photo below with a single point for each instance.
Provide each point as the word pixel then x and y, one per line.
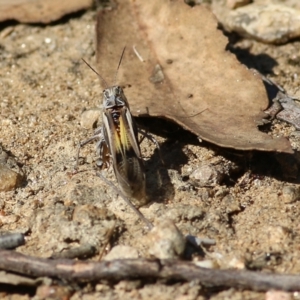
pixel 128 131
pixel 129 163
pixel 125 152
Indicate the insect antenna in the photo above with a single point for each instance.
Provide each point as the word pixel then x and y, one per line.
pixel 104 81
pixel 115 80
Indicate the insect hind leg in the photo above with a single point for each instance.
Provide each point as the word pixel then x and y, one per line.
pixel 102 152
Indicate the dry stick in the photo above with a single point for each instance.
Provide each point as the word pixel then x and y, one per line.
pixel 140 215
pixel 116 270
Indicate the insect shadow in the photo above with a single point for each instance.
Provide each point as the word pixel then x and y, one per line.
pixel 159 187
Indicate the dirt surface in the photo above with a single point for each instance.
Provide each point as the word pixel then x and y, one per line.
pixel 252 213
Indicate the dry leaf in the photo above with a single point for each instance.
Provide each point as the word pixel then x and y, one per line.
pixel 39 11
pixel 181 71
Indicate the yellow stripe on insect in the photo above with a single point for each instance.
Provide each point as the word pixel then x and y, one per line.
pixel 121 138
pixel 118 142
pixel 124 135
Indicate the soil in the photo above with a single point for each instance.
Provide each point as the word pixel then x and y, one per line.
pixel 252 213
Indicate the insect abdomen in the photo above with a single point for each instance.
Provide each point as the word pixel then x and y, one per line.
pixel 131 176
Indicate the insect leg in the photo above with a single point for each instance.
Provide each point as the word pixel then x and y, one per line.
pixel 103 152
pixel 147 135
pixel 83 143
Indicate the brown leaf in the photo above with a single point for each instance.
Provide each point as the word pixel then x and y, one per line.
pixel 186 75
pixel 39 11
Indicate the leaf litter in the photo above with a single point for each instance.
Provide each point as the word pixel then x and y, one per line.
pixel 39 11
pixel 178 68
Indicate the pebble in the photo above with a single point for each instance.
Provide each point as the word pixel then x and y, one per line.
pixel 89 118
pixel 231 204
pixel 9 179
pixel 277 236
pixel 53 292
pixel 207 175
pixel 207 264
pixel 290 194
pixel 11 240
pixel 278 295
pixel 236 263
pixel 9 219
pixel 122 252
pixel 165 240
pixel 268 23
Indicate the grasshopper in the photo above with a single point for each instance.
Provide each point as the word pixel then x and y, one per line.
pixel 118 142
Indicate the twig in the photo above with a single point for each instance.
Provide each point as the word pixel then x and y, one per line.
pixel 116 270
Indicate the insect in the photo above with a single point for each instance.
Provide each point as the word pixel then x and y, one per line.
pixel 118 142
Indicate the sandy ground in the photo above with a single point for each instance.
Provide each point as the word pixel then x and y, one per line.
pixel 253 215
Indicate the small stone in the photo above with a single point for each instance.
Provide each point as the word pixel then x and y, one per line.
pixel 157 74
pixel 89 118
pixel 207 264
pixel 53 292
pixel 9 219
pixel 268 23
pixel 236 263
pixel 206 175
pixel 277 236
pixel 121 252
pixel 165 240
pixel 127 285
pixel 9 180
pixel 231 204
pixel 278 295
pixel 101 287
pixel 290 194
